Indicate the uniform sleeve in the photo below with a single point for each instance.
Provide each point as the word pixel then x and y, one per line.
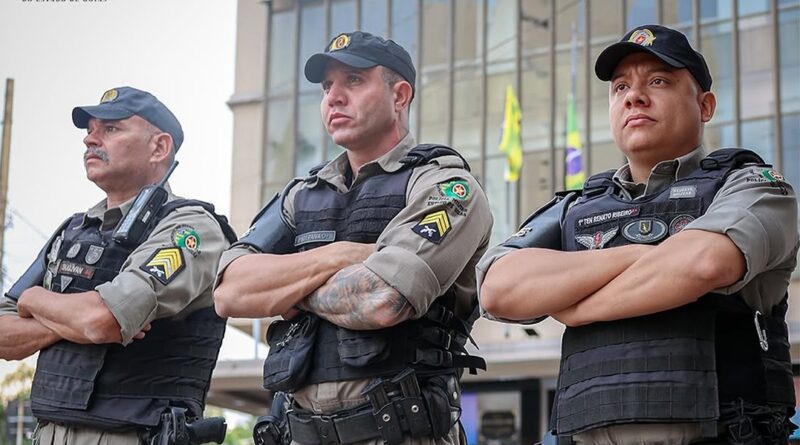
pixel 168 271
pixel 426 246
pixel 7 306
pixel 757 210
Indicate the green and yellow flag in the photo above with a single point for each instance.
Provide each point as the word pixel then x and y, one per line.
pixel 573 162
pixel 511 139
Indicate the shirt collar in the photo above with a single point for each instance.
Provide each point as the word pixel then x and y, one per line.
pixel 335 171
pixel 109 218
pixel 662 175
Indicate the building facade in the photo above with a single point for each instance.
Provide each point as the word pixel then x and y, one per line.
pixel 467 52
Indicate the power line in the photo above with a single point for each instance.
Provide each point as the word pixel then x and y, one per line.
pixel 28 223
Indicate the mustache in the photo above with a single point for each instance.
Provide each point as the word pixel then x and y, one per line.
pixel 96 151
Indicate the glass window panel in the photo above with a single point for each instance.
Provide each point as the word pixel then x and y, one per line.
pixel 569 16
pixel 433 102
pixel 469 32
pixel 759 136
pixel 788 38
pixel 535 102
pixel 677 13
pixel 791 150
pixel 788 2
pixel 715 9
pixel 467 112
pixel 312 40
pixel 717 48
pixel 535 183
pixel 282 52
pixel 719 136
pixel 497 192
pixel 495 103
pixel 601 128
pixel 343 17
pixel 309 133
pixel 757 78
pixel 373 17
pixel 753 6
pixel 606 156
pixel 331 149
pixel 280 142
pixel 502 30
pixel 641 12
pixel 535 33
pixel 606 21
pixel 435 33
pixel 404 25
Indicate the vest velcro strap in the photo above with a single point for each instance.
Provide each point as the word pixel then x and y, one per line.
pixel 663 403
pixel 437 337
pixel 688 362
pixel 155 390
pixel 439 315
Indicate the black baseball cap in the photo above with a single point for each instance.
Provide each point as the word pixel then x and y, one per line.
pixel 124 102
pixel 667 44
pixel 362 50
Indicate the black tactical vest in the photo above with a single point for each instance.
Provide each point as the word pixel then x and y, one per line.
pixel 432 345
pixel 110 386
pixel 673 366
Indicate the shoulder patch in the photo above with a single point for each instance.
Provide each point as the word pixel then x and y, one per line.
pixel 186 237
pixel 164 264
pixel 456 189
pixel 433 227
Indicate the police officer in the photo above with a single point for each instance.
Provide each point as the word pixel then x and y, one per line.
pixel 371 259
pixel 123 329
pixel 670 273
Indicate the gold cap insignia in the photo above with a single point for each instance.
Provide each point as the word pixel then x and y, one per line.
pixel 108 96
pixel 642 37
pixel 340 42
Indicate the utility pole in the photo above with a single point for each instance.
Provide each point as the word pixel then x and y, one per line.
pixel 4 159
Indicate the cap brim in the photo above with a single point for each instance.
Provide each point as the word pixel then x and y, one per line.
pixel 608 60
pixel 81 115
pixel 315 66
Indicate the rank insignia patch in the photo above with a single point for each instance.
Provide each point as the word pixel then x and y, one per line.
pixel 433 227
pixel 598 240
pixel 456 189
pixel 164 264
pixel 186 237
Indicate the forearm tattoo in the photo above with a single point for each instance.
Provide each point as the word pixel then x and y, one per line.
pixel 356 298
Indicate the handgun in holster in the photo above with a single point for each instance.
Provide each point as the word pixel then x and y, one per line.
pixel 174 429
pixel 273 429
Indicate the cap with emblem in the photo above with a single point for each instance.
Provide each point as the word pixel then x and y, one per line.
pixel 669 45
pixel 124 102
pixel 362 50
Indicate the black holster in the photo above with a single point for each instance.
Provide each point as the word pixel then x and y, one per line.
pixel 273 429
pixel 175 430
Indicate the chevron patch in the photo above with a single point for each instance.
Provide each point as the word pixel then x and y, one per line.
pixel 433 227
pixel 165 264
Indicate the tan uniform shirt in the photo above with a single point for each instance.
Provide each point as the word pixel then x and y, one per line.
pixel 756 216
pixel 416 267
pixel 136 297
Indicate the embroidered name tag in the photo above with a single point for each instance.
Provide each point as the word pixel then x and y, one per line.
pixel 683 191
pixel 77 270
pixel 322 236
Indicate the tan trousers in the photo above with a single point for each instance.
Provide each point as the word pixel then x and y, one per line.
pixel 645 434
pixel 51 434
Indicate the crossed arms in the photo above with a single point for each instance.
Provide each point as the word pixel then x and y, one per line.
pixel 330 281
pixel 583 287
